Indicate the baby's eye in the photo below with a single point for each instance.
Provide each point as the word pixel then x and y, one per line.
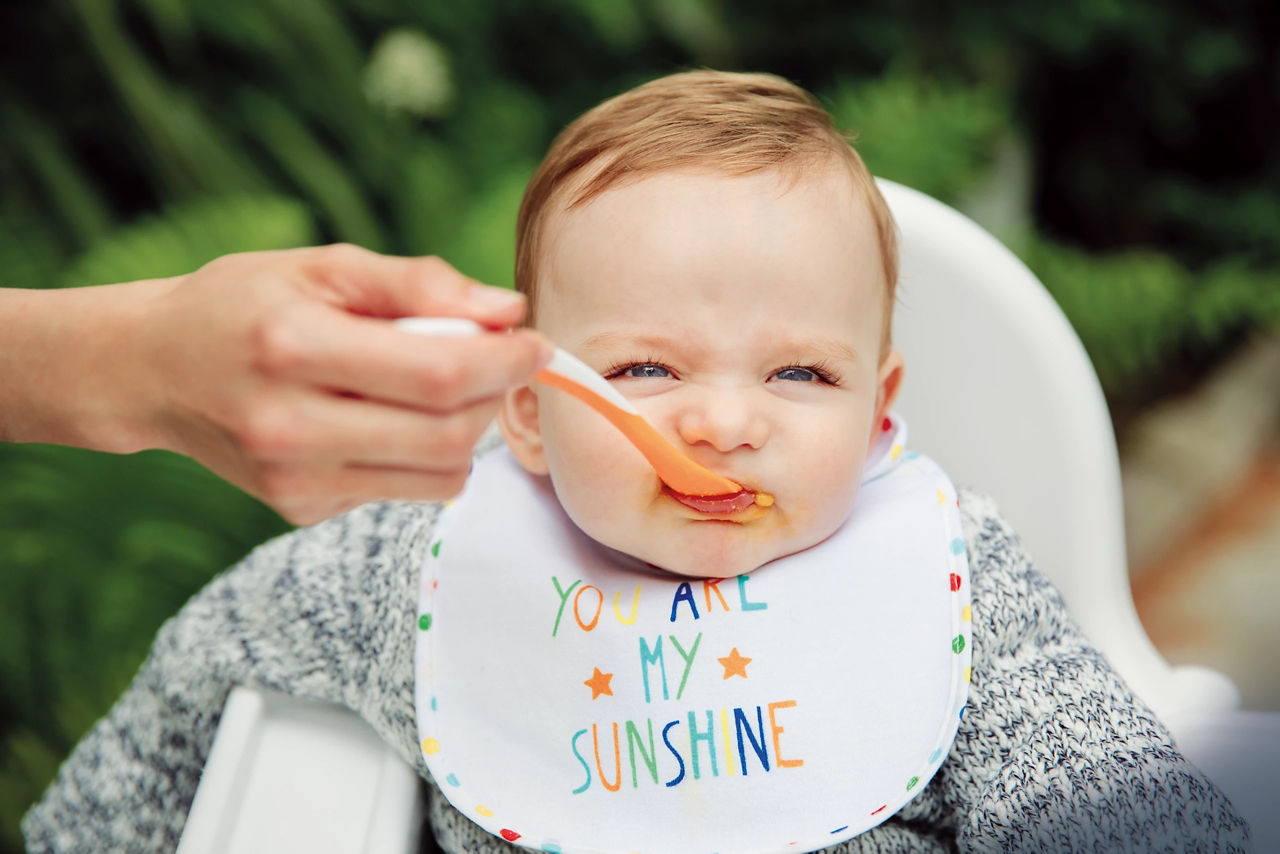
pixel 819 374
pixel 799 375
pixel 647 372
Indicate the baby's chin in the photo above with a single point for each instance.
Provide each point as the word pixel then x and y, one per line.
pixel 728 556
pixel 712 563
pixel 705 548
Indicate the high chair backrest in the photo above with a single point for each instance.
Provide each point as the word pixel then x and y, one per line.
pixel 998 389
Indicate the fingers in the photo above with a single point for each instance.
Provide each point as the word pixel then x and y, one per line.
pixel 329 348
pixel 327 429
pixel 307 396
pixel 389 286
pixel 323 454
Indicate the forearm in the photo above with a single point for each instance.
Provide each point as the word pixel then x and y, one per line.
pixel 73 367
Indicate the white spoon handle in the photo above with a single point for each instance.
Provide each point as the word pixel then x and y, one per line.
pixel 563 362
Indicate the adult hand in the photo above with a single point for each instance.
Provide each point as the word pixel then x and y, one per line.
pixel 281 372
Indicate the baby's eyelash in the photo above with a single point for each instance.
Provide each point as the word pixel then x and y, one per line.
pixel 617 369
pixel 821 370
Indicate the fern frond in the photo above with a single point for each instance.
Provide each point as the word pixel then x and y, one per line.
pixel 190 234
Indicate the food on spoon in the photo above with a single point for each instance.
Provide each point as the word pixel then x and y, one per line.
pixel 731 503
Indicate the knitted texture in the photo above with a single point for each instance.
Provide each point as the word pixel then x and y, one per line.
pixel 1053 754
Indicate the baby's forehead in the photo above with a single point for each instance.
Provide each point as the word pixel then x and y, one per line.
pixel 830 187
pixel 829 174
pixel 830 183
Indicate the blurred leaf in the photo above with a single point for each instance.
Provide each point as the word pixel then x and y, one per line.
pixel 30 254
pixel 1239 218
pixel 617 21
pixel 429 200
pixel 1230 296
pixel 320 175
pixel 497 126
pixel 1129 309
pixel 246 26
pixel 190 152
pixel 1214 54
pixel 329 42
pixel 933 137
pixel 190 234
pixel 173 22
pixel 24 757
pixel 484 245
pixel 698 27
pixel 68 190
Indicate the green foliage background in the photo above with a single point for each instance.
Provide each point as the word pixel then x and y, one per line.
pixel 145 137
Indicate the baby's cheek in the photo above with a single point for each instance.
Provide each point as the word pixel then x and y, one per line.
pixel 831 491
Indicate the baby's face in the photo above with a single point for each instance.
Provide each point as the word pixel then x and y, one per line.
pixel 742 318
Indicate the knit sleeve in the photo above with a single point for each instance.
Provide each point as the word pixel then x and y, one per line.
pixel 1055 753
pixel 320 613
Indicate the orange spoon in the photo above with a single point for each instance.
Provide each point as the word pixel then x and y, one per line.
pixel 569 374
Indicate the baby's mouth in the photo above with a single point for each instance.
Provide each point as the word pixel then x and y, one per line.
pixel 721 504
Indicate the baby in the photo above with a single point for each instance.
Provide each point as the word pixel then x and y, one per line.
pixel 734 277
pixel 710 244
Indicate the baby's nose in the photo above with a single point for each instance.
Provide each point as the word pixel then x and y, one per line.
pixel 724 419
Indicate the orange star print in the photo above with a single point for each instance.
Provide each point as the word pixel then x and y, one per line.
pixel 735 664
pixel 599 683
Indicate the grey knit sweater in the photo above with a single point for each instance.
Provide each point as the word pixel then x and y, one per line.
pixel 1053 754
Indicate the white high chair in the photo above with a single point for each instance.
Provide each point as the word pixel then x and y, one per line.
pixel 999 390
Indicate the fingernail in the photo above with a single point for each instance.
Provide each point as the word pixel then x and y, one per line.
pixel 494 299
pixel 546 350
pixel 545 354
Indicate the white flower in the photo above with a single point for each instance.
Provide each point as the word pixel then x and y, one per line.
pixel 408 72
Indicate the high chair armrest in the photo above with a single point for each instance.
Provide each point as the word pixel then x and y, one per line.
pixel 1202 690
pixel 287 775
pixel 1240 751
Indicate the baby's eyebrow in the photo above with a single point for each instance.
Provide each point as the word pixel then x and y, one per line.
pixel 603 340
pixel 832 348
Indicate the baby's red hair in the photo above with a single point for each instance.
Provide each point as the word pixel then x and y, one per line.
pixel 730 123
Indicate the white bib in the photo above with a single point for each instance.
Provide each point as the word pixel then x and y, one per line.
pixel 570 699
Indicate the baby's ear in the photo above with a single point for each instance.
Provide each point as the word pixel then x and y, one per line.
pixel 888 381
pixel 518 423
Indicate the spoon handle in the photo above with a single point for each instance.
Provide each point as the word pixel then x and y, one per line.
pixel 563 363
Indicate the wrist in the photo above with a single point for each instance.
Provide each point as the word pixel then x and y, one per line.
pixel 75 371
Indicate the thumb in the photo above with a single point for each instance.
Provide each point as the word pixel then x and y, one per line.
pixel 391 286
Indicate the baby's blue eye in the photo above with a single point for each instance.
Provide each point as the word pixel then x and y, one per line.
pixel 648 372
pixel 800 375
